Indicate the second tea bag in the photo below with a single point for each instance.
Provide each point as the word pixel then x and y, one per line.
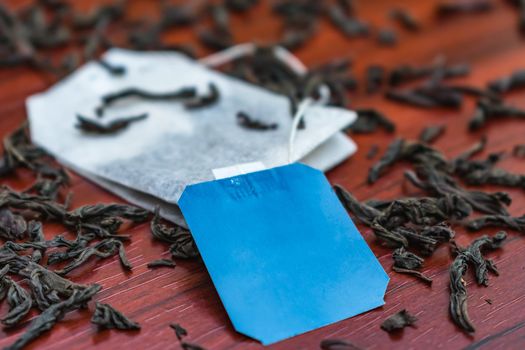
pixel 175 146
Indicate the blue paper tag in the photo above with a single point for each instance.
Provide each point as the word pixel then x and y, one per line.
pixel 282 251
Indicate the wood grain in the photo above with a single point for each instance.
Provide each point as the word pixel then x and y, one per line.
pixel 156 298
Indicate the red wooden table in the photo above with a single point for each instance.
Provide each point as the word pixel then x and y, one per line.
pixel 156 298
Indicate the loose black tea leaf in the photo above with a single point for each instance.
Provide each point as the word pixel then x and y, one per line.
pixel 415 273
pixel 458 294
pixel 191 346
pixel 458 291
pixel 248 122
pixel 502 221
pixel 411 98
pixel 205 100
pixel 375 76
pixel 519 151
pixel 53 314
pixel 179 331
pixel 182 244
pixel 407 263
pixel 372 152
pixel 12 227
pixel 337 344
pixel 481 172
pixel 36 235
pixel 182 94
pixel 161 263
pixel 488 110
pixel 104 249
pixel 429 96
pixel 515 81
pixel 406 19
pixel 474 253
pixel 115 70
pixel 101 213
pixel 431 133
pixel 387 37
pixel 398 321
pixel 407 260
pixel 19 301
pixel 92 126
pixel 105 316
pixel 363 212
pixel 449 8
pixel 392 155
pixel 240 5
pixel 350 26
pixel 369 120
pixel 406 73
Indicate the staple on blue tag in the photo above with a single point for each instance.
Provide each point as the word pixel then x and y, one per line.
pixel 282 251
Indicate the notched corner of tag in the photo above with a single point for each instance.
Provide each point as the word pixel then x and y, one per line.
pixel 264 339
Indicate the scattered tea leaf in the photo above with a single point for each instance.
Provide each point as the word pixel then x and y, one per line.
pixel 105 316
pixel 161 263
pixel 398 321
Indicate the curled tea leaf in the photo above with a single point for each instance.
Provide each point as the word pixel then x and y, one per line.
pixel 182 244
pixel 19 301
pixel 105 316
pixel 53 314
pixel 398 321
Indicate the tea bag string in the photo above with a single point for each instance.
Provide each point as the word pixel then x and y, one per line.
pixel 291 61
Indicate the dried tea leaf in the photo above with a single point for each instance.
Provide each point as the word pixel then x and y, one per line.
pixel 99 213
pixel 406 260
pixel 179 331
pixel 53 314
pixel 474 254
pixel 12 227
pixel 190 346
pixel 89 125
pixel 337 344
pixel 162 263
pixel 392 155
pixel 106 316
pixel 19 301
pixel 415 273
pixel 431 133
pixel 363 212
pixel 490 110
pixel 519 151
pixel 506 84
pixel 182 244
pixel 36 235
pixel 178 95
pixel 503 221
pixel 103 249
pixel 458 292
pixel 405 19
pixel 204 100
pixel 398 321
pixel 369 120
pixel 248 122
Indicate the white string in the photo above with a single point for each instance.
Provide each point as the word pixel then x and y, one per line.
pixel 304 105
pixel 240 50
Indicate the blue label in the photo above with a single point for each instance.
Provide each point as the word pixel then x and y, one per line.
pixel 283 253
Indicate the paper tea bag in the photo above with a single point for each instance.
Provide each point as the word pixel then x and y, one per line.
pixel 174 146
pixel 282 251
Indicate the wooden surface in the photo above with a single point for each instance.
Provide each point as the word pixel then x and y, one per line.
pixel 156 298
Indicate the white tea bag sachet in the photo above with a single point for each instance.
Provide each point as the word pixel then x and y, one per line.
pixel 174 146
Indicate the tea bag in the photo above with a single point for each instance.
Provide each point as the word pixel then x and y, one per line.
pixel 282 251
pixel 152 160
